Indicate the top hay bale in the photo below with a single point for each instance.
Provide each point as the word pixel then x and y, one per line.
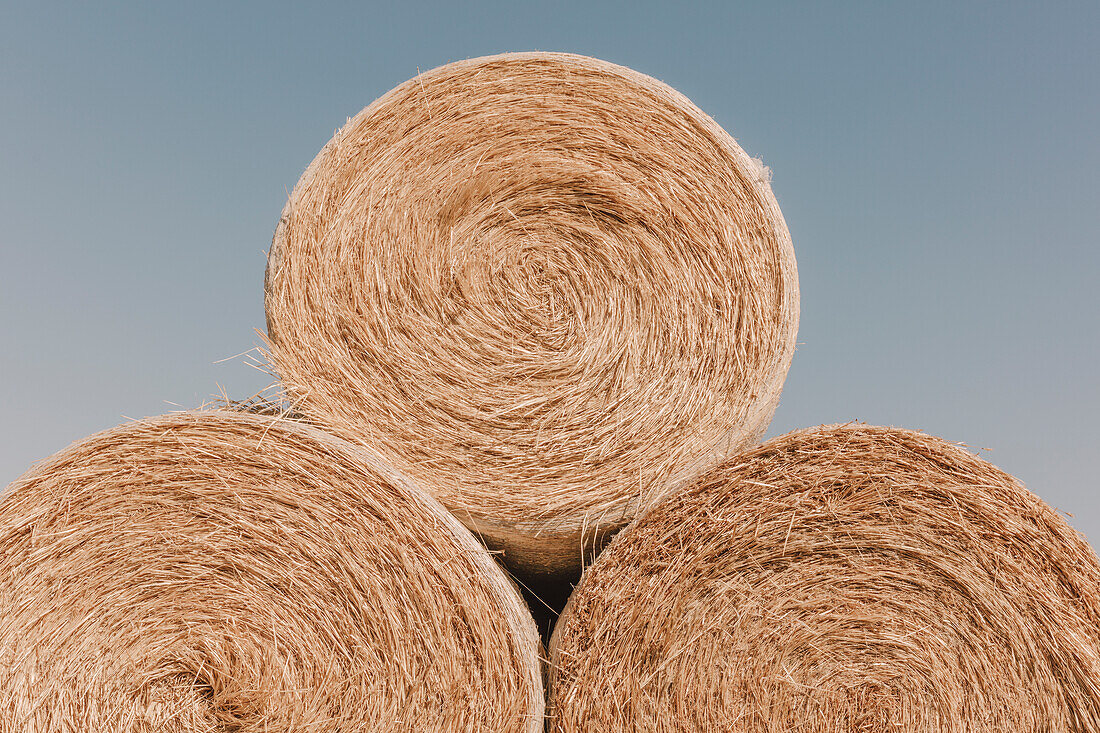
pixel 837 580
pixel 543 285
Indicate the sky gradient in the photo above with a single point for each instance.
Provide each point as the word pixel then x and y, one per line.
pixel 938 167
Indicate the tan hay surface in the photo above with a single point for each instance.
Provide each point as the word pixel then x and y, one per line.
pixel 543 285
pixel 229 572
pixel 846 578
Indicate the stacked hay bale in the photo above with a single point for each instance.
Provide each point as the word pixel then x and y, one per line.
pixel 541 284
pixel 223 571
pixel 848 578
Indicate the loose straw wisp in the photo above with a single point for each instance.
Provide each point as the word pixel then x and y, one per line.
pixel 221 571
pixel 541 284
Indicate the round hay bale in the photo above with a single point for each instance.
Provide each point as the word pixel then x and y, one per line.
pixel 231 572
pixel 542 285
pixel 840 579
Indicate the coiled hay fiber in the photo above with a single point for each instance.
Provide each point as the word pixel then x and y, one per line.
pixel 541 284
pixel 230 572
pixel 846 578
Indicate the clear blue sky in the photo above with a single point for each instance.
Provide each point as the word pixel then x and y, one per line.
pixel 938 165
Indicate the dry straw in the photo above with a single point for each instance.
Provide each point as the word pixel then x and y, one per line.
pixel 230 572
pixel 843 579
pixel 541 284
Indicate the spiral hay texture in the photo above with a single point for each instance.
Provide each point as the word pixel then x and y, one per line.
pixel 843 579
pixel 542 285
pixel 229 572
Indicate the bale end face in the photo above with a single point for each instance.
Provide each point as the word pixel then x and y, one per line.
pixel 231 571
pixel 849 578
pixel 545 286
